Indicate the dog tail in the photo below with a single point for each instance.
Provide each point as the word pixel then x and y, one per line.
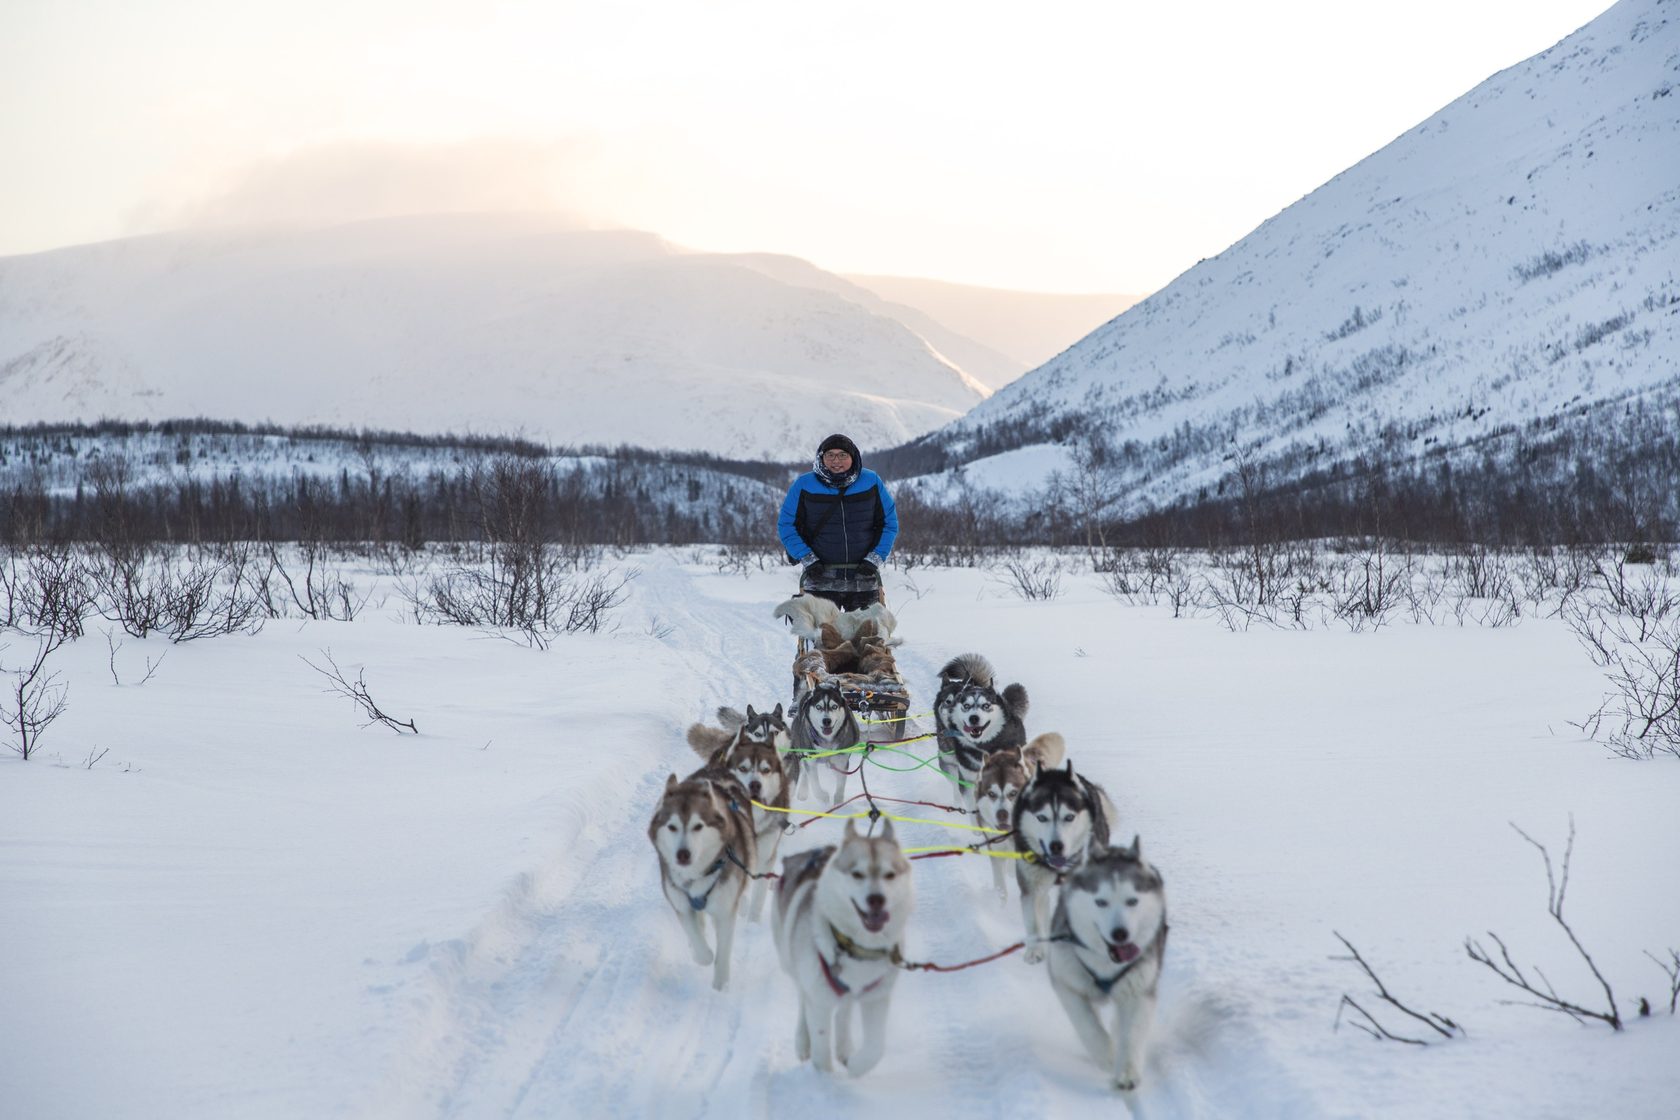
pixel 708 740
pixel 730 718
pixel 1049 749
pixel 967 668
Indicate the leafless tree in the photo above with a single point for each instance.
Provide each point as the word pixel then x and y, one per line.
pixel 1544 993
pixel 1671 969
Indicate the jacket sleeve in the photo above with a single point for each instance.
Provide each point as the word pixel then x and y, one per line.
pixel 795 545
pixel 889 518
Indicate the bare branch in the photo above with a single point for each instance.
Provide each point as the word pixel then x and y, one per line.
pixel 1438 1023
pixel 1511 974
pixel 1671 969
pixel 358 692
pixel 1375 1029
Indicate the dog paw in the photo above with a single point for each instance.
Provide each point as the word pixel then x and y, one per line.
pixel 1033 955
pixel 702 954
pixel 789 829
pixel 1126 1082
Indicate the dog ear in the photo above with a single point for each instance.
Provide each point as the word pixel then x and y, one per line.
pixel 851 830
pixel 751 715
pixel 671 783
pixel 720 758
pixel 1015 696
pixel 778 712
pixel 887 830
pixel 1137 848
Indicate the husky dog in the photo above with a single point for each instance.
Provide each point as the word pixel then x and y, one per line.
pixel 1059 817
pixel 1003 777
pixel 822 722
pixel 840 915
pixel 974 719
pixel 1109 938
pixel 704 835
pixel 758 767
pixel 755 727
pixel 807 614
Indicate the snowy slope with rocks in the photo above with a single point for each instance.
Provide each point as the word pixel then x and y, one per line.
pixel 249 906
pixel 1514 257
pixel 472 323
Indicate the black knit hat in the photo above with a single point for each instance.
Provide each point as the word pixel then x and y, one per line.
pixel 838 481
pixel 843 443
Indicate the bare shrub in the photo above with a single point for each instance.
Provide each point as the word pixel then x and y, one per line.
pixel 34 697
pixel 309 584
pixel 525 581
pixel 45 587
pixel 1035 580
pixel 1544 993
pixel 1641 659
pixel 1368 590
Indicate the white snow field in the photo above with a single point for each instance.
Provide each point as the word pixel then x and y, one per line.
pixel 250 906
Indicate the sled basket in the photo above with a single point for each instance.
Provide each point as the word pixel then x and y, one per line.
pixel 865 696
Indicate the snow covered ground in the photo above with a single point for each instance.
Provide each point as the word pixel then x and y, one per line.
pixel 251 906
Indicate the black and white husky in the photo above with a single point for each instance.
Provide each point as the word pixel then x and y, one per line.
pixel 822 722
pixel 703 833
pixel 998 789
pixel 756 763
pixel 840 917
pixel 973 719
pixel 1109 939
pixel 1059 818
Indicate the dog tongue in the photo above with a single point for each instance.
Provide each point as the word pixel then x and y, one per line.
pixel 1125 951
pixel 874 920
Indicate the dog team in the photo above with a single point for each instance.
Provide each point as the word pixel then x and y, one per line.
pixel 1094 912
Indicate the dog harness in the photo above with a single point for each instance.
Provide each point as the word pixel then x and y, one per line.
pixel 1106 987
pixel 850 948
pixel 700 903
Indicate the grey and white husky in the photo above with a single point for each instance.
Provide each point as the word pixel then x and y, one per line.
pixel 1059 818
pixel 840 917
pixel 973 719
pixel 1002 779
pixel 757 765
pixel 822 722
pixel 703 833
pixel 1109 940
pixel 769 726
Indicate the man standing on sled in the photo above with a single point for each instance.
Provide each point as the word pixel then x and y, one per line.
pixel 839 522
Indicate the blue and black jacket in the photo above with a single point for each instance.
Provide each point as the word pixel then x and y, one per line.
pixel 842 524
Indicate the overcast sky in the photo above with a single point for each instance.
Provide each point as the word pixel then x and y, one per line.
pixel 1051 146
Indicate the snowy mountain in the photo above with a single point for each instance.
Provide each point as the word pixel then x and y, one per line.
pixel 1029 328
pixel 473 323
pixel 1508 264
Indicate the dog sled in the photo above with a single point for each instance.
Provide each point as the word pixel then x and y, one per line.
pixel 847 647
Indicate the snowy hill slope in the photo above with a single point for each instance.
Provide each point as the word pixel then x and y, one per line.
pixel 464 323
pixel 1030 327
pixel 1510 258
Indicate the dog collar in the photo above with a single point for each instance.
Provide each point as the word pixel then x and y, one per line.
pixel 705 897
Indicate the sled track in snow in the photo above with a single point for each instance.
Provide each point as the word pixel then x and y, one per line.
pixel 550 998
